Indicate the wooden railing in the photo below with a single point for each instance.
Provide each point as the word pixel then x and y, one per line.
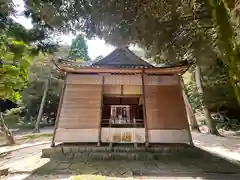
pixel 135 123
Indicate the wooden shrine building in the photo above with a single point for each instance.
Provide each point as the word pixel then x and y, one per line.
pixel 121 99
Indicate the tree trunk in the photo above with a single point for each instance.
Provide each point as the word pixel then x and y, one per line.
pixel 210 122
pixel 37 129
pixel 193 121
pixel 228 43
pixel 7 134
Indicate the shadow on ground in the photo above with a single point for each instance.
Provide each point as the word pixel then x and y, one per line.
pixel 177 166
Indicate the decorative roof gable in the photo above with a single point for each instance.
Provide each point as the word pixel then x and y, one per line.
pixel 122 57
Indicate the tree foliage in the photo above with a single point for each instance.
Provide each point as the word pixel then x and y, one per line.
pixel 15 59
pixel 228 34
pixel 17 47
pixel 14 71
pixel 199 31
pixel 159 26
pixel 119 22
pixel 42 69
pixel 218 92
pixel 79 49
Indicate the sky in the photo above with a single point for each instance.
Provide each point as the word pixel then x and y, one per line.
pixel 96 46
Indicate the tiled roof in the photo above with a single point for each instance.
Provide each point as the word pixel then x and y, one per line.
pixel 89 65
pixel 122 57
pixel 121 60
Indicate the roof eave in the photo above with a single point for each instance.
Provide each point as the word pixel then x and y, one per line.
pixel 146 70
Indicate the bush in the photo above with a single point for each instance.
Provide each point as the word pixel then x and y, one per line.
pixel 12 117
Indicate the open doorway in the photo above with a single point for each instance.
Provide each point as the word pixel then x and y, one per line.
pixel 122 112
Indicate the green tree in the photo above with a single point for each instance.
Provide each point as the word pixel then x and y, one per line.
pixel 17 47
pixel 79 49
pixel 42 94
pixel 228 34
pixel 167 29
pixel 13 73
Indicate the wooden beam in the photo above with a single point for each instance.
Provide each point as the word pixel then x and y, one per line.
pixel 144 111
pixel 119 95
pixel 59 111
pixel 100 122
pixel 154 70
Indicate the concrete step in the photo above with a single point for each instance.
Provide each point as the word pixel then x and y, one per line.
pixel 119 152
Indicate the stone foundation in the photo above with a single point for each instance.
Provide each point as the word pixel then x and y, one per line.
pixel 120 152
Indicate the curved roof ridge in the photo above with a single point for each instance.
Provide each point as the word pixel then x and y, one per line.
pixel 122 56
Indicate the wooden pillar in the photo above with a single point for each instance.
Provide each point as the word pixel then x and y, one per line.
pixel 111 138
pixel 128 114
pixel 121 90
pixel 144 111
pixel 192 119
pixel 135 126
pixel 59 111
pixel 189 112
pixel 101 109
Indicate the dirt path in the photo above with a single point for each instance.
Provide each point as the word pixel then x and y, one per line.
pixel 226 147
pixel 11 158
pixel 23 162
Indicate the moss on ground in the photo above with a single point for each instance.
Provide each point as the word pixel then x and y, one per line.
pixel 36 136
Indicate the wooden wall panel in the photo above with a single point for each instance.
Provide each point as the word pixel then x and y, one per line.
pixel 83 79
pixel 169 136
pixel 137 134
pixel 76 135
pixel 165 107
pixel 132 90
pixel 81 107
pixel 161 80
pixel 120 101
pixel 122 80
pixel 111 89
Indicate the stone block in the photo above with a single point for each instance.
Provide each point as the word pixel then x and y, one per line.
pixel 51 152
pixel 66 149
pixel 47 152
pixel 74 149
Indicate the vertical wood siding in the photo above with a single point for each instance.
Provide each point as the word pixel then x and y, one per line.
pixel 83 79
pixel 165 107
pixel 81 107
pixel 122 80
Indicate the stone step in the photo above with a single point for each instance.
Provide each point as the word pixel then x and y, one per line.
pixel 123 153
pixel 75 149
pixel 66 148
pixel 113 156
